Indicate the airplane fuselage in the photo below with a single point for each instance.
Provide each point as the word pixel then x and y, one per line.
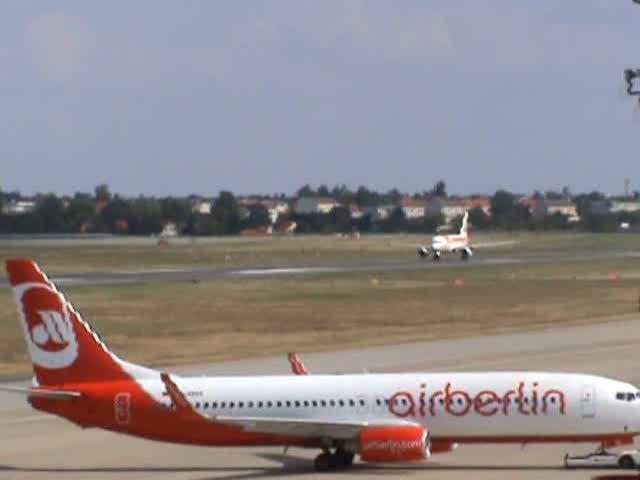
pixel 492 407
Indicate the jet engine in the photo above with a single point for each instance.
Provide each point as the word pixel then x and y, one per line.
pixel 394 444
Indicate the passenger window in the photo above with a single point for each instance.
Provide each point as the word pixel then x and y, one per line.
pixel 314 403
pixel 378 402
pixel 279 404
pixel 269 404
pixel 214 405
pixel 305 403
pixel 231 404
pixel 297 404
pixel 223 404
pixel 250 405
pixel 362 403
pixel 240 404
pixel 323 403
pixel 197 405
pixel 288 403
pixel 206 404
pixel 553 399
pixel 352 403
pixel 332 403
pixel 259 404
pixel 341 403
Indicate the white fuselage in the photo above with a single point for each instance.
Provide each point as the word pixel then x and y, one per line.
pixel 473 407
pixel 449 243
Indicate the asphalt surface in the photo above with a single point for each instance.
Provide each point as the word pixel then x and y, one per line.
pixel 411 262
pixel 35 446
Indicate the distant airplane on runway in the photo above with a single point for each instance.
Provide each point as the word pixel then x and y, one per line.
pixel 380 417
pixel 460 243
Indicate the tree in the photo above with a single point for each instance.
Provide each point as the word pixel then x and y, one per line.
pixel 502 204
pixel 145 217
pixel 117 210
pixel 175 209
pixel 258 217
pixel 478 219
pixel 507 213
pixel 395 223
pixel 340 218
pixel 323 191
pixel 365 197
pixel 80 212
pixel 342 194
pixel 226 214
pixel 439 189
pixel 306 191
pixel 50 211
pixel 393 196
pixel 103 194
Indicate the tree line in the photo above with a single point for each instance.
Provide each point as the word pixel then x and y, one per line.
pixel 104 212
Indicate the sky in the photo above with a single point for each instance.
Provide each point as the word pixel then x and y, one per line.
pixel 176 97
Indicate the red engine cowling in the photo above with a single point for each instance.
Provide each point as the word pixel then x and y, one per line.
pixel 394 444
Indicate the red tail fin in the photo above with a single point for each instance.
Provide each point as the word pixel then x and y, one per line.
pixel 297 366
pixel 63 347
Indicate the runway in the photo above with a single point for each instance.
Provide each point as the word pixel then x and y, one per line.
pixel 408 262
pixel 34 446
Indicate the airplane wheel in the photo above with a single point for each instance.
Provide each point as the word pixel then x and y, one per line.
pixel 465 255
pixel 436 257
pixel 343 458
pixel 323 462
pixel 627 462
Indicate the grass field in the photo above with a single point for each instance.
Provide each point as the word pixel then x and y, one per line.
pixel 125 253
pixel 181 322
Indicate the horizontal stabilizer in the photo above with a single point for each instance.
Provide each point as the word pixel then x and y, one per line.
pixel 42 392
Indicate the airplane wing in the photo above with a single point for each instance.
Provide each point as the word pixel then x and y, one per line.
pixel 303 427
pixel 42 393
pixel 494 244
pixel 412 245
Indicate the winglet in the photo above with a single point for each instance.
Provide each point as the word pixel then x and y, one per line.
pixel 297 367
pixel 182 405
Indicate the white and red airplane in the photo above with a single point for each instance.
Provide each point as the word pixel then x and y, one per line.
pixel 380 417
pixel 460 243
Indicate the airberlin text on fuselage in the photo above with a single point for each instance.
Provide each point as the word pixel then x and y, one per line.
pixel 522 399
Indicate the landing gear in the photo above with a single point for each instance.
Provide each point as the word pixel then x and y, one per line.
pixel 436 256
pixel 626 462
pixel 323 462
pixel 464 255
pixel 344 458
pixel 327 461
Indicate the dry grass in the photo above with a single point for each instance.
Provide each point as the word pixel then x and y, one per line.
pixel 144 253
pixel 173 323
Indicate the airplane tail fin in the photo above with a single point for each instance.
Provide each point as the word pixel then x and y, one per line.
pixel 62 345
pixel 465 224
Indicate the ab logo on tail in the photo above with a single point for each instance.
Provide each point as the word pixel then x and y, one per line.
pixel 48 326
